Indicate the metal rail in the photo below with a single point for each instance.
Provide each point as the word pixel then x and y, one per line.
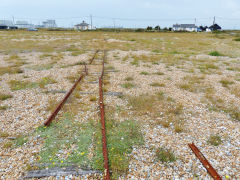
pixel 104 138
pixel 205 162
pixel 60 105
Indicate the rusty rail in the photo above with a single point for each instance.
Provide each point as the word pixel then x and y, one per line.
pixel 205 162
pixel 60 105
pixel 104 138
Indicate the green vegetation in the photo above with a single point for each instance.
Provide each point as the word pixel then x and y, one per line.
pixel 215 53
pixel 237 39
pixel 128 85
pixel 214 140
pixel 226 83
pixel 3 107
pixel 165 155
pixel 128 78
pixel 5 96
pixel 193 84
pixel 156 84
pixel 144 73
pixel 19 85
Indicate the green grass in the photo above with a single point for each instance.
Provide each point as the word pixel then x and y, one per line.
pixel 128 85
pixel 20 140
pixel 144 73
pixel 237 39
pixel 156 84
pixel 215 53
pixel 226 83
pixel 165 155
pixel 18 85
pixel 159 73
pixel 5 96
pixel 83 141
pixel 128 78
pixel 215 140
pixel 121 137
pixel 3 107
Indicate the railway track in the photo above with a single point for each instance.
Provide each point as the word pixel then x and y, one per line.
pixel 106 172
pixel 101 107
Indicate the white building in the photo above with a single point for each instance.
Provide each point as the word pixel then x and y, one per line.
pixel 82 26
pixel 49 23
pixel 185 27
pixel 6 23
pixel 23 25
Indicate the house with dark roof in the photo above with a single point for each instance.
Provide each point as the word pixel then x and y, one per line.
pixel 185 27
pixel 82 26
pixel 215 27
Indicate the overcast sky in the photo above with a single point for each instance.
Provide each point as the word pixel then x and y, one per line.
pixel 126 13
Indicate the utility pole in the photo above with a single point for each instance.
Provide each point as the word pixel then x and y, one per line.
pixel 91 22
pixel 13 20
pixel 214 20
pixel 195 21
pixel 114 24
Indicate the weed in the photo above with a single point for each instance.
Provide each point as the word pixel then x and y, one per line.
pixel 165 155
pixel 10 70
pixel 4 107
pixel 156 84
pixel 144 73
pixel 237 39
pixel 20 140
pixel 52 103
pixel 3 134
pixel 159 73
pixel 215 53
pixel 135 62
pixel 8 144
pixel 93 98
pixel 5 96
pixel 226 83
pixel 128 78
pixel 18 85
pixel 236 90
pixel 45 81
pixel 128 85
pixel 214 140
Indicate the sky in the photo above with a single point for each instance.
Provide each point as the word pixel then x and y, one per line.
pixel 124 13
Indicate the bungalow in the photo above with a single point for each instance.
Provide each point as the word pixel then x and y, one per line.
pixel 82 26
pixel 185 27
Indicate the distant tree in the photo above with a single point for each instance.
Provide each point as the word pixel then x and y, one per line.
pixel 140 30
pixel 170 29
pixel 149 28
pixel 157 28
pixel 165 29
pixel 203 28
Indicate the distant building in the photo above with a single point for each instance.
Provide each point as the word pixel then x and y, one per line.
pixel 185 27
pixel 82 26
pixel 215 27
pixel 6 24
pixel 49 24
pixel 23 25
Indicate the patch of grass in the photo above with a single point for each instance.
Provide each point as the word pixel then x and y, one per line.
pixel 3 134
pixel 144 73
pixel 10 70
pixel 93 98
pixel 226 83
pixel 193 84
pixel 4 107
pixel 236 90
pixel 135 62
pixel 215 53
pixel 42 67
pixel 156 51
pixel 8 144
pixel 20 140
pixel 159 73
pixel 45 81
pixel 215 140
pixel 18 85
pixel 42 56
pixel 128 85
pixel 237 39
pixel 110 68
pixel 121 136
pixel 5 96
pixel 156 84
pixel 66 135
pixel 129 78
pixel 52 104
pixel 165 155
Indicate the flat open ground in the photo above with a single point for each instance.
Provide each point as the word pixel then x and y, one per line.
pixel 177 88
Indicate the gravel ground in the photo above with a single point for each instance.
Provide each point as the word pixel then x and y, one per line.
pixel 28 111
